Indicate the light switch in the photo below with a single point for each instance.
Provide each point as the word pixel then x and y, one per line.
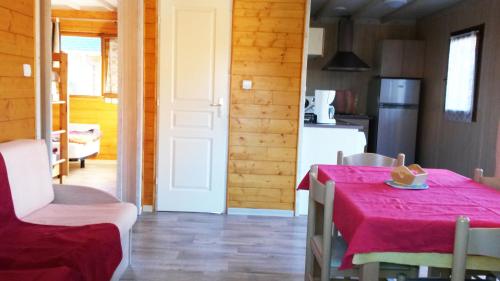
pixel 27 70
pixel 246 84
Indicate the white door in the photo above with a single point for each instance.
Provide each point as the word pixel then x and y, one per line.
pixel 193 93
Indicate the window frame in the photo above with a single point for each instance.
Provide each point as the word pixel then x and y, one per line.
pixel 103 37
pixel 105 64
pixel 477 72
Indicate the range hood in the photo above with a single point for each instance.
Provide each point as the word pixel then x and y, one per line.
pixel 345 59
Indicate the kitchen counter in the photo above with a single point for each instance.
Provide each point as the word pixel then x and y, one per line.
pixel 320 145
pixel 352 116
pixel 339 125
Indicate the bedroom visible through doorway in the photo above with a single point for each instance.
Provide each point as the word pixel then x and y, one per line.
pixel 84 95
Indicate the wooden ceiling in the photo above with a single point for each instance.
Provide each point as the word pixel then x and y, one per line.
pixel 383 10
pixel 85 5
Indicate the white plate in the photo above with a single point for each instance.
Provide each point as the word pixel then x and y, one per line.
pixel 392 183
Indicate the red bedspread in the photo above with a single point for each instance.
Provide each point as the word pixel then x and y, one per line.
pixel 52 253
pixel 374 217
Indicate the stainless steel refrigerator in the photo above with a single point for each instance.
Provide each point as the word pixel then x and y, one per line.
pixel 394 105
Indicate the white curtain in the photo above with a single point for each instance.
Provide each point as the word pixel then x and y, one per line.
pixel 461 78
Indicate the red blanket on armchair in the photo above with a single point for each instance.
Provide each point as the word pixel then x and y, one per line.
pixel 52 253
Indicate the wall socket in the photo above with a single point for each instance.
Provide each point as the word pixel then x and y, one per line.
pixel 27 70
pixel 246 84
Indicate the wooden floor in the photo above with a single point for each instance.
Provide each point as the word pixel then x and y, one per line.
pixel 199 247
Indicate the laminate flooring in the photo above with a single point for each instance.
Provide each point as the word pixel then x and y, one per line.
pixel 100 174
pixel 190 246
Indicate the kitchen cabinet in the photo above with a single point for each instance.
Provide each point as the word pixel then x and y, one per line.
pixel 316 41
pixel 401 59
pixel 320 144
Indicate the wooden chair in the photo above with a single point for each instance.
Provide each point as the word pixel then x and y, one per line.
pixel 370 159
pixel 325 247
pixel 489 181
pixel 471 241
pixel 461 237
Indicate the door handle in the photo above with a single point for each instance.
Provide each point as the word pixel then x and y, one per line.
pixel 219 104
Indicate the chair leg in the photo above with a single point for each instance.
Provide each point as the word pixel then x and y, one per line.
pixel 325 275
pixel 369 272
pixel 311 226
pixel 460 249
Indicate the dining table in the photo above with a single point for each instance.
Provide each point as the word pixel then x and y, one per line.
pixel 381 223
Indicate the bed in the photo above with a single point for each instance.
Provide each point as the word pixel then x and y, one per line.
pixel 84 142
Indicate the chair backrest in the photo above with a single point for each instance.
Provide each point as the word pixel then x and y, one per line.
pixel 497 171
pixel 489 181
pixel 370 159
pixel 29 173
pixel 320 216
pixel 472 241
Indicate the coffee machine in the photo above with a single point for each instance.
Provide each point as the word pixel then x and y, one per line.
pixel 323 106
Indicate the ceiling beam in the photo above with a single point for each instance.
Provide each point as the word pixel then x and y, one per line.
pixel 88 15
pixel 107 4
pixel 390 16
pixel 366 7
pixel 319 12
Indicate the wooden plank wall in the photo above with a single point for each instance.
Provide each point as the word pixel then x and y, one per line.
pixel 458 146
pixel 87 22
pixel 267 49
pixel 93 110
pixel 17 47
pixel 148 177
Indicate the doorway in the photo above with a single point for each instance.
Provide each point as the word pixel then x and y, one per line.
pixel 195 46
pixel 119 87
pixel 86 146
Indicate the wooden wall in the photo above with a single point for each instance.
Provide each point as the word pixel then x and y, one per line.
pixel 17 47
pixel 367 36
pixel 149 168
pixel 267 49
pixel 93 110
pixel 86 22
pixel 460 146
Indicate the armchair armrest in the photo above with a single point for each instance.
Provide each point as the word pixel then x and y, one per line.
pixel 81 195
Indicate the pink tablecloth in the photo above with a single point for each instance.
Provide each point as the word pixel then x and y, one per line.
pixel 374 217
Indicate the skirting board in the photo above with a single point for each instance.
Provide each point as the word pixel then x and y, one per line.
pixel 147 208
pixel 259 212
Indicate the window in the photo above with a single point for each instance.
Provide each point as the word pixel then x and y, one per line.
pixel 84 65
pixel 462 83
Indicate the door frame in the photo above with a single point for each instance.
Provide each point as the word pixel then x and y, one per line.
pixel 130 91
pixel 303 83
pixel 160 3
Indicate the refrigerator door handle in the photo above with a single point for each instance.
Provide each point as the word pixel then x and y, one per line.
pixel 402 106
